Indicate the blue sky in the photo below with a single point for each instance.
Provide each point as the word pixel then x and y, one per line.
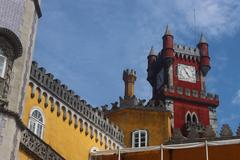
pixel 87 44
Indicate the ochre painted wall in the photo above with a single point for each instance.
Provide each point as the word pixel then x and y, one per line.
pixel 155 122
pixel 24 155
pixel 182 107
pixel 63 137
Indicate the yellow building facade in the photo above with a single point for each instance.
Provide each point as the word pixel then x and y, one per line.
pixel 157 124
pixel 142 125
pixel 68 125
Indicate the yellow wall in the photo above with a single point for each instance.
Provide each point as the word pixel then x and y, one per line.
pixel 24 155
pixel 63 137
pixel 131 119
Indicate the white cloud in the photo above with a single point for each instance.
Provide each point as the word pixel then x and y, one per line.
pixel 213 17
pixel 236 99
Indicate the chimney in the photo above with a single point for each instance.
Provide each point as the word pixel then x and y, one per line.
pixel 129 77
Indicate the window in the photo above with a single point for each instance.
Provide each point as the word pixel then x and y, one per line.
pixel 191 118
pixel 3 60
pixel 188 118
pixel 139 139
pixel 36 122
pixel 194 118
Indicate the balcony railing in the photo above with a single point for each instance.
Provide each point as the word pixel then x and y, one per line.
pixel 38 147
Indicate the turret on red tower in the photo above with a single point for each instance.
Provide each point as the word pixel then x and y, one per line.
pixel 168 47
pixel 152 59
pixel 204 57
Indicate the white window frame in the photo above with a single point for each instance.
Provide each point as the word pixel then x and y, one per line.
pixel 138 132
pixel 4 64
pixel 37 122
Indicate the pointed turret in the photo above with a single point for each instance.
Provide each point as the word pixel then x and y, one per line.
pixel 152 58
pixel 203 39
pixel 204 57
pixel 168 46
pixel 168 31
pixel 152 52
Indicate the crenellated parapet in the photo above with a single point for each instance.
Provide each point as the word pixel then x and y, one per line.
pixel 140 104
pixel 191 95
pixel 186 52
pixel 68 104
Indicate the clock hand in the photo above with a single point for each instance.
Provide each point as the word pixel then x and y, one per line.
pixel 186 71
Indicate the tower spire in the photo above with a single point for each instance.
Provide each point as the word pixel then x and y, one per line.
pixel 202 39
pixel 168 31
pixel 152 52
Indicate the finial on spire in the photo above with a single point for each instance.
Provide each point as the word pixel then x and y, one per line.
pixel 202 39
pixel 168 32
pixel 152 52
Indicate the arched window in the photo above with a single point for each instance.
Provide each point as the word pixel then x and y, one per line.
pixel 188 118
pixel 194 118
pixel 3 61
pixel 139 138
pixel 36 122
pixel 191 118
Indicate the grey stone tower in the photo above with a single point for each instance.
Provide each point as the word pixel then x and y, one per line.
pixel 18 25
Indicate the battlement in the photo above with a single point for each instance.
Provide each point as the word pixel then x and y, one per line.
pixel 72 101
pixel 193 95
pixel 127 73
pixel 183 49
pixel 135 103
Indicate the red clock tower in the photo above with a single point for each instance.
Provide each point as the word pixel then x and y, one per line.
pixel 177 76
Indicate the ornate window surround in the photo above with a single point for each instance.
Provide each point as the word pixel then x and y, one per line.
pixel 11 48
pixel 137 138
pixel 37 122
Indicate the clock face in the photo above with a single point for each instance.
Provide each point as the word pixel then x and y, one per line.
pixel 186 73
pixel 160 79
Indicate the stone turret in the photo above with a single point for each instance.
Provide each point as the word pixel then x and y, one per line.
pixel 204 56
pixel 129 77
pixel 168 47
pixel 152 59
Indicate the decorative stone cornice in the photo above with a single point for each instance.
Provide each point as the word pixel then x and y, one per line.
pixel 200 97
